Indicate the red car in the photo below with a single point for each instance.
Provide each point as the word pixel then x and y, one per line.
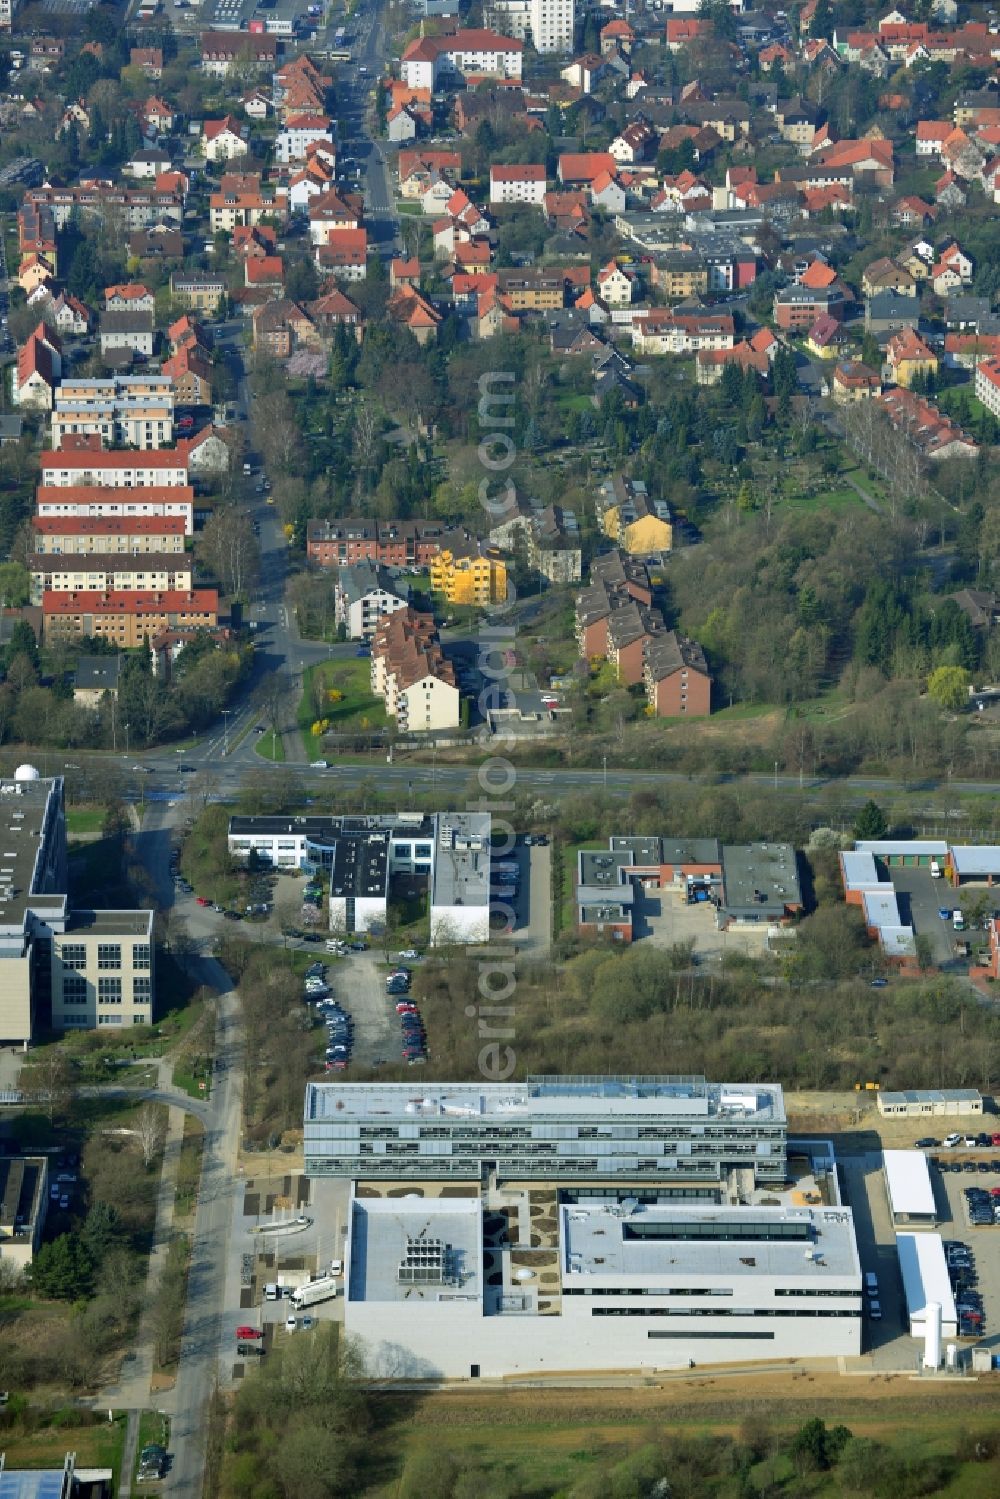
pixel 245 1333
pixel 996 1139
pixel 202 900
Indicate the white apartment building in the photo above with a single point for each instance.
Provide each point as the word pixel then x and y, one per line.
pixel 469 1287
pixel 550 23
pixel 82 501
pixel 423 705
pixel 94 572
pixel 988 385
pixel 432 61
pixel 360 855
pixel 517 184
pixel 364 594
pixel 96 966
pixel 142 422
pixel 299 132
pixel 165 468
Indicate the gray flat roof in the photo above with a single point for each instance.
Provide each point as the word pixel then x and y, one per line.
pixel 976 859
pixel 111 923
pixel 462 860
pixel 601 1240
pixel 552 1096
pixel 24 805
pixel 759 876
pixel 382 1231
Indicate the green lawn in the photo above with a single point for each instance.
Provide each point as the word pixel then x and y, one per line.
pixel 84 820
pixel 831 499
pixel 96 1443
pixel 271 747
pixel 356 709
pixel 951 399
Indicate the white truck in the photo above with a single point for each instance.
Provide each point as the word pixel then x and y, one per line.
pixel 314 1291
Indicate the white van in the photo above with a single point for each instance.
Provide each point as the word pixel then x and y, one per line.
pixel 272 1291
pixel 935 870
pixel 958 921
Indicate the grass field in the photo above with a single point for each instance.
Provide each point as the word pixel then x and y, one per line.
pixel 356 707
pixel 271 747
pixel 97 1444
pixel 541 1444
pixel 81 821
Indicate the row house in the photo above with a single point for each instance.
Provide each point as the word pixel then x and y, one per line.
pixel 934 435
pixel 106 534
pixel 128 209
pixel 126 620
pixel 395 543
pixel 639 524
pixel 111 572
pixel 676 676
pixel 755 353
pixel 965 351
pixel 632 628
pixel 411 676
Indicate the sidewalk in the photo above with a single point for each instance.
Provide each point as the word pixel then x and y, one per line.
pixel 134 1390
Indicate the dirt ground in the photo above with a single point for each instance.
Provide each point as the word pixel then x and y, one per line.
pixel 856 1115
pixel 722 1401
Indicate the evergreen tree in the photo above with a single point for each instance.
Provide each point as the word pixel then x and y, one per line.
pixel 870 822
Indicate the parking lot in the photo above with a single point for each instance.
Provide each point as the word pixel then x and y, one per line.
pixel 919 897
pixel 887 1342
pixel 664 917
pixel 533 903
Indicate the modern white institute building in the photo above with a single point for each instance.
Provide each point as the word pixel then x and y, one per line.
pixel 451 850
pixel 726 1138
pixel 518 1283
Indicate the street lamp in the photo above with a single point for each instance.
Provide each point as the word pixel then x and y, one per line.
pixel 126 741
pixel 225 731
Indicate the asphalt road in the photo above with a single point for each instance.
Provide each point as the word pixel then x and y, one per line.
pixel 219 1189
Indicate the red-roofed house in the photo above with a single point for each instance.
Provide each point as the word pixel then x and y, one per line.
pixel 825 337
pixel 907 356
pixel 450 60
pixel 681 31
pixel 223 140
pixel 584 166
pixel 345 255
pixel 36 373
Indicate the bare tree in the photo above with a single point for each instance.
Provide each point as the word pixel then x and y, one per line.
pixel 47 1079
pixel 151 1130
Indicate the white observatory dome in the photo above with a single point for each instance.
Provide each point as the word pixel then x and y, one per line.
pixel 26 773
